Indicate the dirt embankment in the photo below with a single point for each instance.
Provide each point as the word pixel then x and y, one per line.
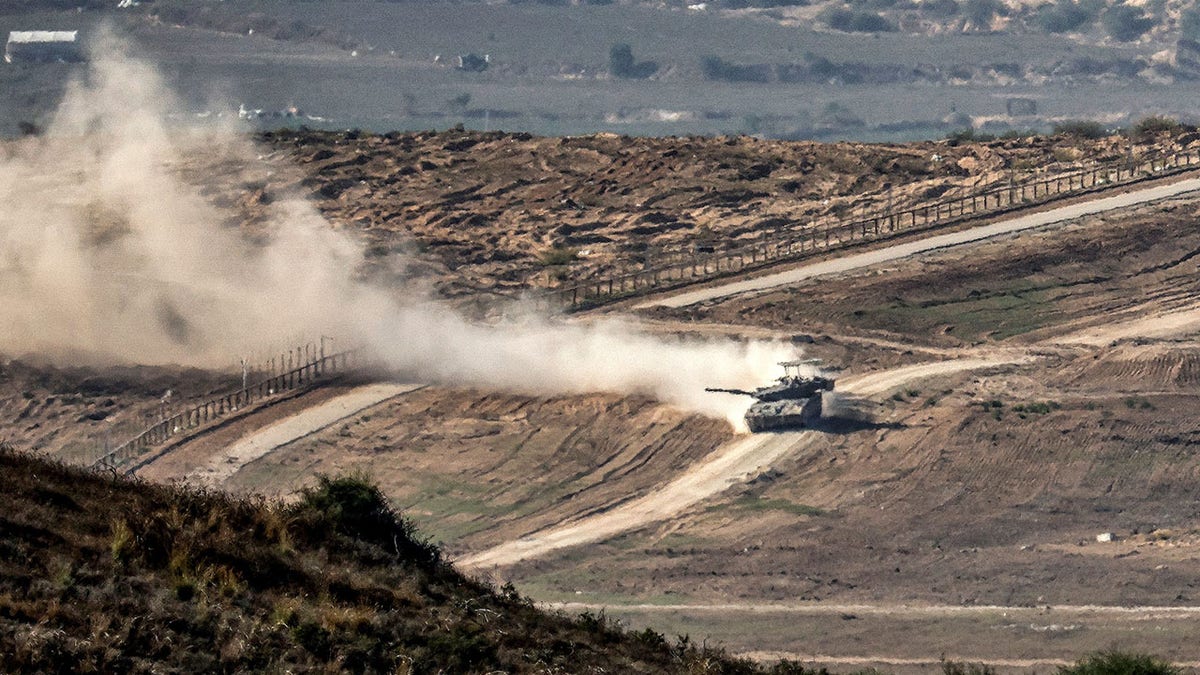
pixel 497 212
pixel 70 412
pixel 1032 287
pixel 478 468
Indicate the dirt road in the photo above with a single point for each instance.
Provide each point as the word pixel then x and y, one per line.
pixel 225 464
pixel 733 463
pixel 736 461
pixel 889 253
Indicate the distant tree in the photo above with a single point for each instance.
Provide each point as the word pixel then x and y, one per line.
pixel 981 13
pixel 1065 16
pixel 850 21
pixel 716 68
pixel 1080 129
pixel 1119 663
pixel 1126 22
pixel 939 9
pixel 1148 127
pixel 621 63
pixel 1189 23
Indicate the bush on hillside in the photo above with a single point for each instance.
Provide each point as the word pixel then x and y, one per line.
pixel 1119 663
pixel 850 21
pixel 716 68
pixel 981 13
pixel 1148 127
pixel 1126 22
pixel 939 9
pixel 355 508
pixel 1080 129
pixel 1065 16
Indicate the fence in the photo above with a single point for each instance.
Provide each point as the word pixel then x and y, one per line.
pixel 798 243
pixel 305 364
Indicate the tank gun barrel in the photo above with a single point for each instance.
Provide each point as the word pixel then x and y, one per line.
pixel 741 392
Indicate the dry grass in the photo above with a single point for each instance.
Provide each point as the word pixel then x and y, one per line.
pixel 105 574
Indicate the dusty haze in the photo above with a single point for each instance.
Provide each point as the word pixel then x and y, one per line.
pixel 108 254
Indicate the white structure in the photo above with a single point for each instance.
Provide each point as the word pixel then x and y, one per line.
pixel 42 46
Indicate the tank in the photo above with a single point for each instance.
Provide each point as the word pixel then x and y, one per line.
pixel 794 402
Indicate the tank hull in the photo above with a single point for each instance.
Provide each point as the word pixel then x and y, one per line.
pixel 785 414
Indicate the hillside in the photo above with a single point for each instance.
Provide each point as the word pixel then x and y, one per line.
pixel 104 574
pixel 497 213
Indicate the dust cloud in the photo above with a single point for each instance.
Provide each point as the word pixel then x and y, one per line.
pixel 108 254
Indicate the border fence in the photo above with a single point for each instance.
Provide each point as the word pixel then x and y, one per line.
pixel 307 364
pixel 796 243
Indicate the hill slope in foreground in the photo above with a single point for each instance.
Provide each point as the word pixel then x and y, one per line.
pixel 101 574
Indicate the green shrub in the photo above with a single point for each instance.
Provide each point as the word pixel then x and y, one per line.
pixel 621 63
pixel 559 256
pixel 1065 16
pixel 850 21
pixel 354 507
pixel 1087 129
pixel 1148 127
pixel 716 68
pixel 1119 663
pixel 981 12
pixel 1126 22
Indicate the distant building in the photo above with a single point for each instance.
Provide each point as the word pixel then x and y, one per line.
pixel 474 63
pixel 42 46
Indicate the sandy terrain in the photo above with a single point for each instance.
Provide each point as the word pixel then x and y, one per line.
pixel 223 465
pixel 884 254
pixel 1030 392
pixel 497 213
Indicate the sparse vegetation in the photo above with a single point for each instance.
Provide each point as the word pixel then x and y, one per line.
pixel 856 21
pixel 1036 408
pixel 1086 129
pixel 1149 127
pixel 622 64
pixel 716 68
pixel 754 502
pixel 1115 662
pixel 1126 22
pixel 559 256
pixel 106 574
pixel 981 13
pixel 1065 16
pixel 1139 403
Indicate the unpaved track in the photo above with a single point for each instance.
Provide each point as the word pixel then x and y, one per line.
pixel 740 459
pixel 833 609
pixel 889 253
pixel 225 464
pixel 733 463
pixel 883 381
pixel 1156 325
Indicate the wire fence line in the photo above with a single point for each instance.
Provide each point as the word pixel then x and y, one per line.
pixel 680 269
pixel 305 365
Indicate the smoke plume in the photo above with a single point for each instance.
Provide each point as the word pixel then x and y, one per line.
pixel 108 253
